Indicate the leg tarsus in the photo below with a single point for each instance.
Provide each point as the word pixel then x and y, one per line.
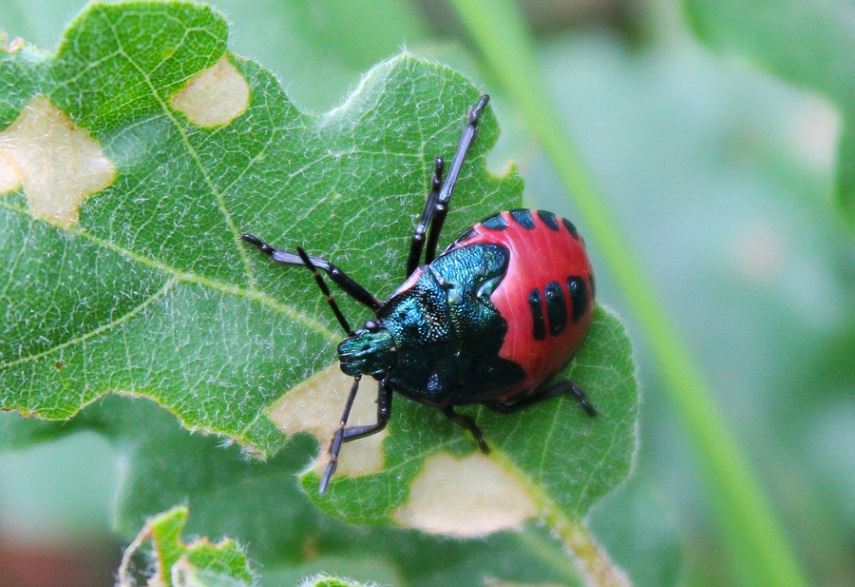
pixel 475 113
pixel 559 388
pixel 468 423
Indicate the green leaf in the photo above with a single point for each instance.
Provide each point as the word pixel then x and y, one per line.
pixel 328 581
pixel 142 151
pixel 549 457
pixel 199 563
pixel 260 505
pixel 807 43
pixel 19 433
pixel 126 288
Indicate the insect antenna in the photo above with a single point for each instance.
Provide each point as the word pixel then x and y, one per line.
pixel 325 290
pixel 335 445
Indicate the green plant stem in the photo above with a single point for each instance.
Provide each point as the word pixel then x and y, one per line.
pixel 590 559
pixel 593 561
pixel 750 530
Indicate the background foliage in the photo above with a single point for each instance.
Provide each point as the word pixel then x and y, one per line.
pixel 724 180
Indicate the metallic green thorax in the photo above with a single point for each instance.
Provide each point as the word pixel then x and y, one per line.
pixel 440 338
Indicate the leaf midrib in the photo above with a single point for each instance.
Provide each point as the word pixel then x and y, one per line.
pixel 176 276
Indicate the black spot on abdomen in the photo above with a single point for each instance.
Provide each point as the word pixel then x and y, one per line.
pixel 494 222
pixel 571 228
pixel 523 218
pixel 556 308
pixel 548 219
pixel 578 296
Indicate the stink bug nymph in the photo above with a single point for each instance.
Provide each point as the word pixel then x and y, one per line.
pixel 489 321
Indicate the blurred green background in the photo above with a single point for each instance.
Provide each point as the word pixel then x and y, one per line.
pixel 721 177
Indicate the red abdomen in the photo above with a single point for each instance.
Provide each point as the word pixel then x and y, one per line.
pixel 546 296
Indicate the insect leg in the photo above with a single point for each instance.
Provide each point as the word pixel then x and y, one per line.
pixel 344 434
pixel 442 201
pixel 417 242
pixel 344 281
pixel 384 411
pixel 559 388
pixel 469 424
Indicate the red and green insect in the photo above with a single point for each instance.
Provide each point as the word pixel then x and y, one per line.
pixel 489 321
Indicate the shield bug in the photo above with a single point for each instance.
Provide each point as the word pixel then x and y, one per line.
pixel 489 321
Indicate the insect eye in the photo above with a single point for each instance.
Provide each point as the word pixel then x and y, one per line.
pixel 372 326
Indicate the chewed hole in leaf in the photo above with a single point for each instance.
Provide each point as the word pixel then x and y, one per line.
pixel 58 163
pixel 213 97
pixel 315 407
pixel 486 497
pixel 9 179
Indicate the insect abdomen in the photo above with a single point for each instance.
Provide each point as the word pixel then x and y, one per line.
pixel 547 294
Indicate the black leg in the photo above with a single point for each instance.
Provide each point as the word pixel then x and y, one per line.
pixel 559 388
pixel 384 411
pixel 440 209
pixel 469 424
pixel 344 434
pixel 418 241
pixel 307 261
pixel 436 206
pixel 345 282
